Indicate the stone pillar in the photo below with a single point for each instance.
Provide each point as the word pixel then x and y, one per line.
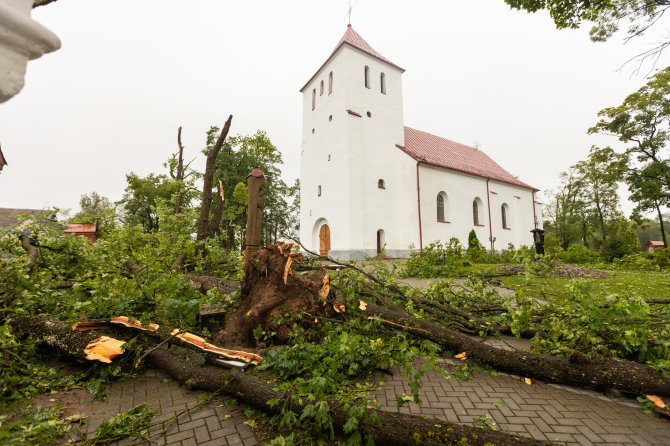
pixel 22 39
pixel 255 182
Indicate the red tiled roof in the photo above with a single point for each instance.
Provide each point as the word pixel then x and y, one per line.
pixel 655 244
pixel 354 39
pixel 80 228
pixel 431 149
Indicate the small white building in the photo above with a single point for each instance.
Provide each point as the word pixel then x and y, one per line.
pixel 370 184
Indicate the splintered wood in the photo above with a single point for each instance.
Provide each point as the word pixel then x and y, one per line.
pixel 205 346
pixel 193 340
pixel 103 349
pixel 107 323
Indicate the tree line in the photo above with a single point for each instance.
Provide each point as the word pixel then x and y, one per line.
pixel 181 189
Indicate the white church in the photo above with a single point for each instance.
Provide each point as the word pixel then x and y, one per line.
pixel 370 184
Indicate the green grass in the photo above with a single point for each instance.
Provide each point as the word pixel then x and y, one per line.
pixel 624 283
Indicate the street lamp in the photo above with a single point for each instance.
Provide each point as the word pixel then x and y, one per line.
pixel 538 238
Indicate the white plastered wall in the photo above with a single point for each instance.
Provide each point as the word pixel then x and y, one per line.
pixel 461 190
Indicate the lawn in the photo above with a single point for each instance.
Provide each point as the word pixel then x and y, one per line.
pixel 647 285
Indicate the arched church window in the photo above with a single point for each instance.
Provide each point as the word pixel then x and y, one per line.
pixel 330 83
pixel 504 211
pixel 321 89
pixel 475 212
pixel 319 191
pixel 441 207
pixel 367 77
pixel 381 184
pixel 382 80
pixel 313 99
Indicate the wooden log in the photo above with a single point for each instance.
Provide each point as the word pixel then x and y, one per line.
pixel 394 429
pixel 255 182
pixel 79 346
pixel 599 373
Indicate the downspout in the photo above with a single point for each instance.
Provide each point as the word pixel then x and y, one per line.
pixel 534 216
pixel 418 197
pixel 488 202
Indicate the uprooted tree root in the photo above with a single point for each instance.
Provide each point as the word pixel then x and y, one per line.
pixel 390 429
pixel 271 289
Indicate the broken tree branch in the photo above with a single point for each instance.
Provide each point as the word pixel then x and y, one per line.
pixel 599 373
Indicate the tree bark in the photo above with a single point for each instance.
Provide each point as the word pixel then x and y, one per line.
pixel 204 224
pixel 60 336
pixel 599 373
pixel 660 220
pixel 30 249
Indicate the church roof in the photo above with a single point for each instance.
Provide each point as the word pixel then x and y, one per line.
pixel 442 152
pixel 355 40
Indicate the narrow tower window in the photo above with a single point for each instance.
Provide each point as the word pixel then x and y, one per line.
pixel 503 211
pixel 367 77
pixel 330 83
pixel 382 80
pixel 319 191
pixel 441 206
pixel 381 184
pixel 321 89
pixel 475 212
pixel 313 99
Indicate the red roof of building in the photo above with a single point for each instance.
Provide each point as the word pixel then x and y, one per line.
pixel 80 228
pixel 355 40
pixel 442 152
pixel 655 244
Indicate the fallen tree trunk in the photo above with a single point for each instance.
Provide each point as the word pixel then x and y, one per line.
pixel 205 283
pixel 79 346
pixel 394 429
pixel 599 373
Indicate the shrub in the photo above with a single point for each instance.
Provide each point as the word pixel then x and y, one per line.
pixel 662 257
pixel 621 242
pixel 435 260
pixel 577 253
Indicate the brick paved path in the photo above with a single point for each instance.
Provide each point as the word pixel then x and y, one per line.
pixel 542 411
pixel 208 425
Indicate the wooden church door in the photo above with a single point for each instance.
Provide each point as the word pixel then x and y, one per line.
pixel 324 240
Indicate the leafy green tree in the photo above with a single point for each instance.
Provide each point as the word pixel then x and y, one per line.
pixel 607 16
pixel 642 122
pixel 96 208
pixel 598 192
pixel 623 240
pixel 238 157
pixel 565 209
pixel 141 198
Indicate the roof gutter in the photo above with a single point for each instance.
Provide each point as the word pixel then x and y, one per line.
pixel 418 198
pixel 534 216
pixel 488 202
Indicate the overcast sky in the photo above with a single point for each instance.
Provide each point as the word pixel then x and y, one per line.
pixel 130 72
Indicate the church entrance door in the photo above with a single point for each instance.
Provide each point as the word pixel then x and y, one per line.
pixel 324 240
pixel 380 243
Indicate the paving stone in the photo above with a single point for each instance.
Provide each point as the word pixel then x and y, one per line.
pixel 205 425
pixel 543 411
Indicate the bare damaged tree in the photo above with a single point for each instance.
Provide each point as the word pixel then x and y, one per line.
pixel 207 225
pixel 178 171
